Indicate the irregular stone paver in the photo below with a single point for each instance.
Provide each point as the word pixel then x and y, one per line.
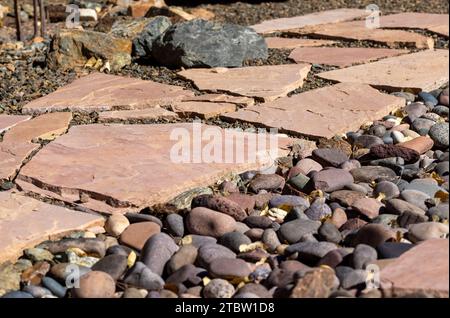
pixel 341 57
pixel 44 127
pixel 292 43
pixel 322 112
pixel 102 92
pixel 9 121
pixel 317 18
pixel 251 81
pixel 17 144
pixel 357 30
pixel 422 71
pixel 25 222
pixel 149 114
pixel 118 168
pixel 413 272
pixel 204 110
pixel 221 98
pixel 437 23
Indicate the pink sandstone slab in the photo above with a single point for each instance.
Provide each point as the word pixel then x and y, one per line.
pixel 26 222
pixel 16 146
pixel 437 23
pixel 9 121
pixel 292 43
pixel 118 168
pixel 264 82
pixel 422 71
pixel 103 92
pixel 323 112
pixel 317 18
pixel 341 57
pixel 221 98
pixel 203 110
pixel 149 114
pixel 424 270
pixel 357 31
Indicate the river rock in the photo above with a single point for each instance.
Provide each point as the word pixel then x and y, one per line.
pixel 137 234
pixel 427 231
pixel 157 251
pixel 269 182
pixel 175 224
pixel 210 252
pixel 187 254
pixel 293 231
pixel 116 224
pixel 389 189
pixel 203 221
pixel 318 210
pixel 440 135
pixel 229 268
pixel 218 288
pixel 373 235
pixel 331 179
pixel 140 276
pixel 115 265
pixel 329 157
pixel 389 151
pixel 233 240
pixel 220 204
pixel 372 173
pixel 95 285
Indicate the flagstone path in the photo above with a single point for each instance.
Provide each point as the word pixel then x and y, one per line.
pixel 341 57
pixel 323 112
pixel 437 23
pixel 292 43
pixel 423 71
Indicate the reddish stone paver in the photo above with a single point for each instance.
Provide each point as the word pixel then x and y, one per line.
pixel 102 92
pixel 317 18
pixel 17 145
pixel 26 222
pixel 437 23
pixel 425 70
pixel 221 98
pixel 341 57
pixel 150 114
pixel 127 167
pixel 414 273
pixel 292 43
pixel 358 31
pixel 9 121
pixel 204 110
pixel 253 81
pixel 323 112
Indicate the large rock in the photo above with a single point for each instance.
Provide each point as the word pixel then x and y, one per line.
pixel 143 43
pixel 422 270
pixel 200 43
pixel 73 48
pixel 25 222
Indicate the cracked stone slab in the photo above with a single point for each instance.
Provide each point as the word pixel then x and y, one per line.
pixel 413 273
pixel 253 81
pixel 104 92
pixel 203 110
pixel 292 43
pixel 358 31
pixel 26 222
pixel 17 145
pixel 323 112
pixel 9 121
pixel 437 23
pixel 221 98
pixel 317 18
pixel 422 71
pixel 341 57
pixel 149 114
pixel 122 168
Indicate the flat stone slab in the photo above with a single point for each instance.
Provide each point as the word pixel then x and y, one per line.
pixel 149 114
pixel 341 57
pixel 121 168
pixel 358 31
pixel 317 18
pixel 437 23
pixel 323 112
pixel 253 81
pixel 104 92
pixel 204 110
pixel 9 121
pixel 422 71
pixel 292 43
pixel 26 222
pixel 423 269
pixel 17 144
pixel 221 98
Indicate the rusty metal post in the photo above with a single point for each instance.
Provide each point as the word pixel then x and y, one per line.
pixel 35 18
pixel 18 22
